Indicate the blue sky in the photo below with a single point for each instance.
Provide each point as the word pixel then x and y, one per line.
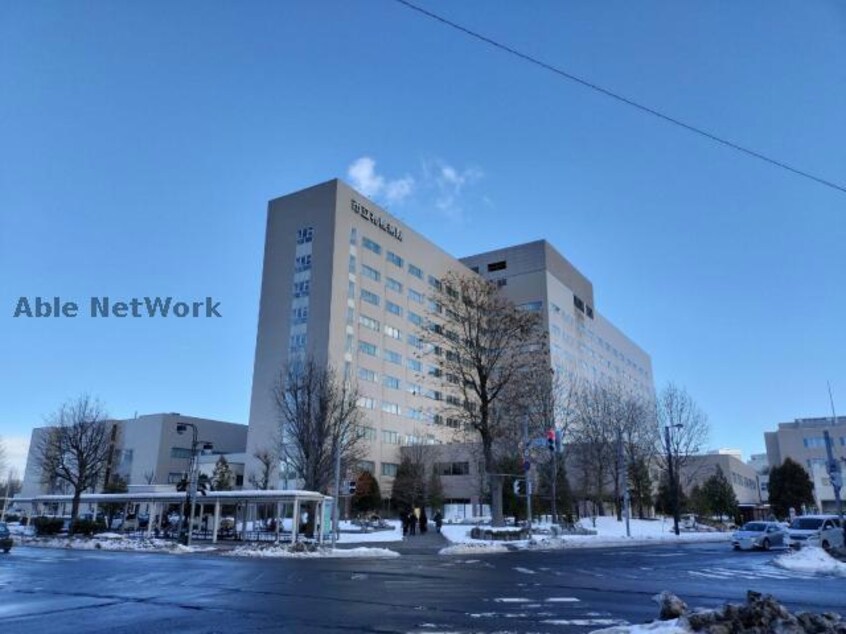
pixel 141 142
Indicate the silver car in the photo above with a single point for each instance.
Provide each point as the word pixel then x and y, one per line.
pixel 763 535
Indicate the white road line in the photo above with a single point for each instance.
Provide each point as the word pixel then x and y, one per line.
pixel 562 600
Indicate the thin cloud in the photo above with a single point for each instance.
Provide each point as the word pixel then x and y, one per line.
pixel 362 173
pixel 450 184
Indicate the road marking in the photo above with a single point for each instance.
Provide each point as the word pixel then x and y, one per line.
pixel 563 600
pixel 512 600
pixel 525 571
pixel 585 622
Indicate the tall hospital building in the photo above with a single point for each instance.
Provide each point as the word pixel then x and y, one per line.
pixel 349 285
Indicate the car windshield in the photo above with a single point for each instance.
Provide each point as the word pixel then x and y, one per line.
pixel 754 527
pixel 806 523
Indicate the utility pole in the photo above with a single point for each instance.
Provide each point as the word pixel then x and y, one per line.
pixel 337 502
pixel 674 493
pixel 526 467
pixel 834 472
pixel 623 471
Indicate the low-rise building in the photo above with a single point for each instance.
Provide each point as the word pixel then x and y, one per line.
pixel 145 450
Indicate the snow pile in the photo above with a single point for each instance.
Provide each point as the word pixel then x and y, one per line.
pixel 281 551
pixel 609 532
pixel 656 627
pixel 356 536
pixel 813 560
pixel 474 548
pixel 113 541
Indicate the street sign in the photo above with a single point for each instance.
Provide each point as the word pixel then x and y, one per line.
pixel 518 487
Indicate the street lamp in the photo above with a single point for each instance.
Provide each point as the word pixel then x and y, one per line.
pixel 674 489
pixel 191 492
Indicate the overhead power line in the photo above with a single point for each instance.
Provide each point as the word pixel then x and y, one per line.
pixel 622 99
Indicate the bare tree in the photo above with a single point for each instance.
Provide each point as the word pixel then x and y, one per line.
pixel 267 459
pixel 76 447
pixel 318 415
pixel 481 343
pixel 688 428
pixel 593 447
pixel 2 455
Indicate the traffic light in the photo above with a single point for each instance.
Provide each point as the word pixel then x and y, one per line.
pixel 351 487
pixel 518 486
pixel 550 440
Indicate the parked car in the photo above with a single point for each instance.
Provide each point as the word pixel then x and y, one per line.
pixel 816 530
pixel 6 542
pixel 763 535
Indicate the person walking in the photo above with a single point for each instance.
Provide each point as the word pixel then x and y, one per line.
pixel 439 521
pixel 412 523
pixel 424 522
pixel 404 520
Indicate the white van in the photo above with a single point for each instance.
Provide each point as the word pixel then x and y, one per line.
pixel 816 530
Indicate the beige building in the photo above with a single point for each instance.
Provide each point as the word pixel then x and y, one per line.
pixel 803 441
pixel 743 478
pixel 348 284
pixel 146 450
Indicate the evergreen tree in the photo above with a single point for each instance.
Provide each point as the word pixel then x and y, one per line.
pixel 116 484
pixel 409 488
pixel 640 486
pixel 698 502
pixel 719 495
pixel 222 477
pixel 790 487
pixel 435 492
pixel 664 499
pixel 563 493
pixel 367 495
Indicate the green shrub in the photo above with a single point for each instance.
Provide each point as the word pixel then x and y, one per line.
pixel 48 525
pixel 87 527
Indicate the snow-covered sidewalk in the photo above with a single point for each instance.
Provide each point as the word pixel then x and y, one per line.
pixel 286 551
pixel 811 560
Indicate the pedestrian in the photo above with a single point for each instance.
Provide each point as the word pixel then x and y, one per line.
pixel 439 521
pixel 424 522
pixel 404 520
pixel 412 523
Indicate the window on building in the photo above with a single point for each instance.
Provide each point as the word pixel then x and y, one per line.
pixel 414 364
pixel 365 432
pixel 367 375
pixel 302 263
pixel 435 283
pixel 393 258
pixel 390 437
pixel 497 266
pixel 370 298
pixel 370 272
pixel 368 322
pixel 366 465
pixel 415 296
pixel 299 315
pixel 305 235
pixel 389 469
pixel 393 333
pixel 302 288
pixel 414 318
pixel 414 388
pixel 298 341
pixel 393 285
pixel 578 303
pixel 814 442
pixel 174 478
pixel 369 244
pixel 365 402
pixel 393 357
pixel 452 468
pixel 368 348
pixel 392 308
pixel 416 272
pixel 391 382
pixel 414 341
pixel 503 281
pixel 179 453
pixel 589 311
pixel 475 269
pixel 532 307
pixel 353 235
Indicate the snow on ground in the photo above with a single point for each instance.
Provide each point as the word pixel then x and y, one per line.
pixel 609 531
pixel 476 547
pixel 655 627
pixel 253 550
pixel 113 541
pixel 353 537
pixel 813 560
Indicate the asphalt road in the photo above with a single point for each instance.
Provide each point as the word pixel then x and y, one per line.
pixel 566 591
